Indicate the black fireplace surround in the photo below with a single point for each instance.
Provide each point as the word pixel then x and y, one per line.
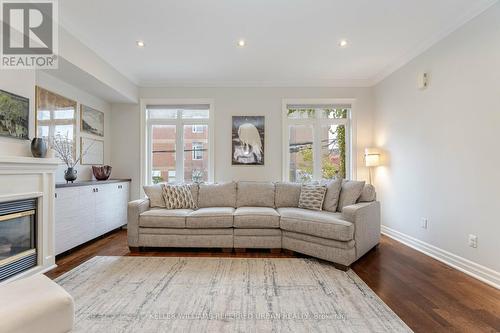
pixel 18 250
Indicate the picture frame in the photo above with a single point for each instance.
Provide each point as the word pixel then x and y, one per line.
pixel 248 140
pixel 91 121
pixel 47 123
pixel 14 116
pixel 94 149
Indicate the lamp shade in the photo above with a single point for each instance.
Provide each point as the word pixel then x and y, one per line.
pixel 372 157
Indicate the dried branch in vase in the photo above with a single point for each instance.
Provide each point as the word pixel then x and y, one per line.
pixel 63 146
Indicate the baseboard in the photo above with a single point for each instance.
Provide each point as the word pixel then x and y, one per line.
pixel 466 266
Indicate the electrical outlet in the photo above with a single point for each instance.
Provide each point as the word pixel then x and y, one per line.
pixel 424 223
pixel 473 241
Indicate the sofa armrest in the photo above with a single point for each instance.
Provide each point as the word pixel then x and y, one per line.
pixel 135 209
pixel 366 219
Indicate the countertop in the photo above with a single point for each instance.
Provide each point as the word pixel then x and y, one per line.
pixel 91 182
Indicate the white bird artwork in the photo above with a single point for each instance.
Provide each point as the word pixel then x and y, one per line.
pixel 249 137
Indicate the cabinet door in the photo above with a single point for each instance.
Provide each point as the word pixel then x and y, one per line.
pixel 86 216
pixel 121 204
pixel 66 213
pixel 104 208
pixel 74 217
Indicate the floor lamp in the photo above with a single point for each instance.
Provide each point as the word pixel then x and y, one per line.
pixel 372 159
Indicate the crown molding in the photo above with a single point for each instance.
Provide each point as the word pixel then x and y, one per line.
pixel 427 44
pixel 335 83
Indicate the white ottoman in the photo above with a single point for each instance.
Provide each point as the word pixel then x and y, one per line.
pixel 35 304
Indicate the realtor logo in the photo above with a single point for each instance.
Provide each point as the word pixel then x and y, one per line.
pixel 29 34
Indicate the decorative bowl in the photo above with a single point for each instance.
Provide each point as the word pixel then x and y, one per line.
pixel 101 172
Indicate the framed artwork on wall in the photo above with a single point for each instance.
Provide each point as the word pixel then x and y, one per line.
pixel 91 151
pixel 55 115
pixel 92 121
pixel 248 140
pixel 14 115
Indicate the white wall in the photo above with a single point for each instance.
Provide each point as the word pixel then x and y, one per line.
pixel 442 143
pixel 62 88
pixel 228 102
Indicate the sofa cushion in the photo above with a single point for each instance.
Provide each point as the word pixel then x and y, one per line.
pixel 217 195
pixel 164 218
pixel 287 194
pixel 332 195
pixel 255 194
pixel 178 197
pixel 257 232
pixel 319 240
pixel 155 195
pixel 368 194
pixel 213 217
pixel 194 192
pixel 317 223
pixel 312 196
pixel 350 193
pixel 256 217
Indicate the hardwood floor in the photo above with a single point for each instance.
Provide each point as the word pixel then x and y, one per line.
pixel 428 295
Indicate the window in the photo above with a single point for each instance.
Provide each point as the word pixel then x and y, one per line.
pixel 197 129
pixel 317 141
pixel 178 143
pixel 197 151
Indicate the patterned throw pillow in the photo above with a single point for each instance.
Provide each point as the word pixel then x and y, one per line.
pixel 312 196
pixel 178 197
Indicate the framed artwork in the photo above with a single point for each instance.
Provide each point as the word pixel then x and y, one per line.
pixel 248 140
pixel 14 116
pixel 55 115
pixel 91 151
pixel 92 121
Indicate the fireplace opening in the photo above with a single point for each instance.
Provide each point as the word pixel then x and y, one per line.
pixel 18 250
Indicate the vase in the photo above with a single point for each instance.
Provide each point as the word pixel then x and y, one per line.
pixel 101 172
pixel 70 175
pixel 38 147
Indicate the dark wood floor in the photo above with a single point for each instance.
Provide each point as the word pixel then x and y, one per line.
pixel 428 295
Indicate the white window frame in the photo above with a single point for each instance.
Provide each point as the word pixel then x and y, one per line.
pixel 194 151
pixel 316 123
pixel 146 133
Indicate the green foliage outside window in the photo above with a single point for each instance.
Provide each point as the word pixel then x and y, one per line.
pixel 329 168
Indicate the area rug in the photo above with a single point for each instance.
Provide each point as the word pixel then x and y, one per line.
pixel 165 294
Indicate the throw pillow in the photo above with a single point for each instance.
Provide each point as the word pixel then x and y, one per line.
pixel 312 196
pixel 178 197
pixel 332 195
pixel 350 193
pixel 368 194
pixel 155 195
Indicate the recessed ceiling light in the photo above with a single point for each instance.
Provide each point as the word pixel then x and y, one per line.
pixel 343 43
pixel 140 43
pixel 242 43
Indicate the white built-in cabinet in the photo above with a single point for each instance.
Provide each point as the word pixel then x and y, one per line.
pixel 88 210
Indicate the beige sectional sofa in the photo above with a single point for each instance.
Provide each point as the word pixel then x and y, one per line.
pixel 260 215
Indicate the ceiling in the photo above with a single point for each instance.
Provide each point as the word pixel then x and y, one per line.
pixel 289 42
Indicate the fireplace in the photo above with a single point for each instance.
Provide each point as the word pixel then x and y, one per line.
pixel 18 248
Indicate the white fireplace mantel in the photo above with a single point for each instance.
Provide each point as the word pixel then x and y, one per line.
pixel 28 177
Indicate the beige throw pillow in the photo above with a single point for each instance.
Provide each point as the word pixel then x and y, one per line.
pixel 368 194
pixel 332 195
pixel 350 193
pixel 312 196
pixel 178 197
pixel 155 195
